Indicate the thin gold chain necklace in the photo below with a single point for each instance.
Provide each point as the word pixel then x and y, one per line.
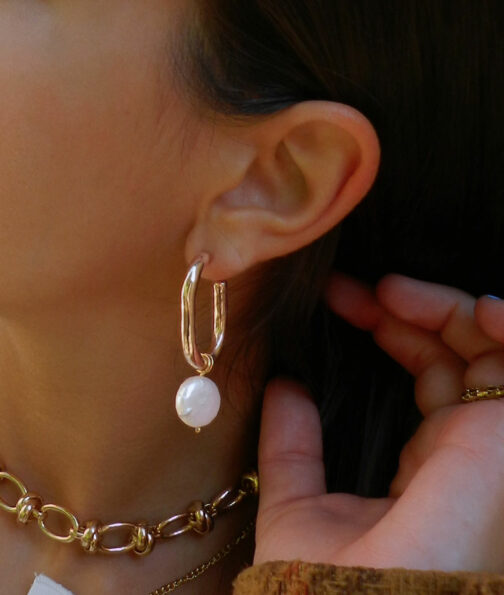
pixel 199 570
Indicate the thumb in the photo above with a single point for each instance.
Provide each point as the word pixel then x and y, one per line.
pixel 290 455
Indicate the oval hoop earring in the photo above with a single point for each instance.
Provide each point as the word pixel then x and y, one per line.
pixel 198 398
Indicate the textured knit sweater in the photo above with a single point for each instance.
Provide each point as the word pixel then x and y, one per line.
pixel 302 578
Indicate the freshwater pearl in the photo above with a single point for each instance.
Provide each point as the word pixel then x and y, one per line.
pixel 198 401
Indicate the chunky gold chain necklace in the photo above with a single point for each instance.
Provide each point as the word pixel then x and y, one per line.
pixel 141 536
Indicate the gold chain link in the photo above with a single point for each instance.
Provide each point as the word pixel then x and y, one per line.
pixel 141 537
pixel 199 570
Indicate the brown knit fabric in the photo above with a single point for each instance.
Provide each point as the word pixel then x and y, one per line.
pixel 302 578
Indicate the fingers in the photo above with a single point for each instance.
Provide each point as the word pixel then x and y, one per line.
pixel 438 371
pixel 489 313
pixel 438 308
pixel 442 328
pixel 471 328
pixel 290 446
pixel 486 371
pixel 353 301
pixel 440 385
pixel 418 449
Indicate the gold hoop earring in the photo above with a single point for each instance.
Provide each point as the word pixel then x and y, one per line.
pixel 198 398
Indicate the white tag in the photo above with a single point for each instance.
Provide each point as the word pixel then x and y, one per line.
pixel 43 585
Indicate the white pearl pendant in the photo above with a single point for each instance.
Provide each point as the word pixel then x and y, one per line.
pixel 198 401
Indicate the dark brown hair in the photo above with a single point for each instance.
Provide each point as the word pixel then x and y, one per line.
pixel 428 74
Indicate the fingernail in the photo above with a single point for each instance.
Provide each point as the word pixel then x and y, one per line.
pixel 493 297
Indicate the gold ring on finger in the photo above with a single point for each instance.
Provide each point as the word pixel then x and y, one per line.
pixel 482 394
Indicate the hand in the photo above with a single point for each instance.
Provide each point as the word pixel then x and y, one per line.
pixel 445 508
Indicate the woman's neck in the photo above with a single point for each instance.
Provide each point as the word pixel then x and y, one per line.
pixel 87 411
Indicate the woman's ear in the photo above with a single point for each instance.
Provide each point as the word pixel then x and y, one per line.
pixel 311 164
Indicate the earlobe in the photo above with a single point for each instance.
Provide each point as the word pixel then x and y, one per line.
pixel 314 163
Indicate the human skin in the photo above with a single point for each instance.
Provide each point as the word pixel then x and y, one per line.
pixel 444 507
pixel 111 183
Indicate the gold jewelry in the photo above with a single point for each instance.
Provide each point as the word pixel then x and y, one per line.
pixel 142 537
pixel 198 398
pixel 483 394
pixel 199 570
